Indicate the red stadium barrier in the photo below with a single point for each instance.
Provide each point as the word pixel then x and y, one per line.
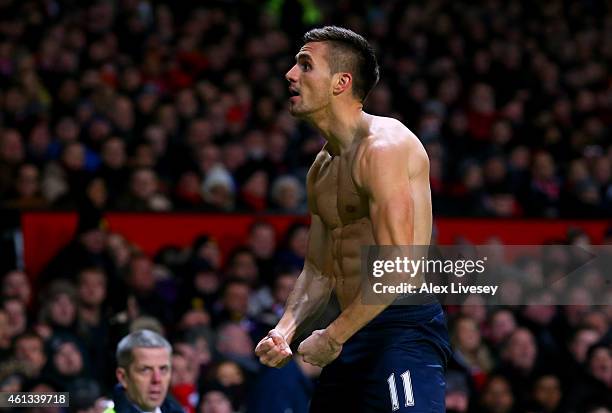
pixel 45 233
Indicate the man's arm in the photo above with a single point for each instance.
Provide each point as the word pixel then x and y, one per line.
pixel 313 288
pixel 385 177
pixel 308 298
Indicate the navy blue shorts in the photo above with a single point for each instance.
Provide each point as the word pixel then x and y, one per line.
pixel 396 363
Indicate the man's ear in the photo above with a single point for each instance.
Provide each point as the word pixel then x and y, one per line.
pixel 121 375
pixel 343 82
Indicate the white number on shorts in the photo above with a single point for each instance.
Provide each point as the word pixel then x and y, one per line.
pixel 407 390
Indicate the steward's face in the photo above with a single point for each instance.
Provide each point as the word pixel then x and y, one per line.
pixel 147 378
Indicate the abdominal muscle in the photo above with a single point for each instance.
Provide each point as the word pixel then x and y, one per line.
pixel 347 243
pixel 348 240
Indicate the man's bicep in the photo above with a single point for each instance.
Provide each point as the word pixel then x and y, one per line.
pixel 318 245
pixel 392 218
pixel 390 198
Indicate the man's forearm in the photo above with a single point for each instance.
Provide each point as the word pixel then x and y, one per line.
pixel 362 310
pixel 353 318
pixel 309 297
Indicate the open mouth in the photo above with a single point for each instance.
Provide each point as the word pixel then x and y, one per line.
pixel 293 92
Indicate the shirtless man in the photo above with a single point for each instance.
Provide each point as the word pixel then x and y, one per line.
pixel 369 185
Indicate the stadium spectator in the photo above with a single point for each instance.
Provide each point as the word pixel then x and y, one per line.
pixel 28 348
pixel 215 400
pixel 470 351
pixel 262 243
pixel 547 394
pixel 183 382
pixel 457 392
pixel 497 396
pixel 5 336
pixel 143 372
pixel 26 193
pixel 286 389
pixel 87 249
pixel 502 324
pixel 143 193
pixel 17 284
pixel 17 314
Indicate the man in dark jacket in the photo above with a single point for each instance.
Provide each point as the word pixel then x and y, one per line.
pixel 143 372
pixel 284 390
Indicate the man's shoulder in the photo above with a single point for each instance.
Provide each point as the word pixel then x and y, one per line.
pixel 322 155
pixel 170 405
pixel 390 138
pixel 121 403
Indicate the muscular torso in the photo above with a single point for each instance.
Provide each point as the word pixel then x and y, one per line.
pixel 343 208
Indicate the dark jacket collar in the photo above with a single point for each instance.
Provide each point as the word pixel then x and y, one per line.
pixel 124 405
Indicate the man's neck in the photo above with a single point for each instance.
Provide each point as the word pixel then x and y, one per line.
pixel 91 315
pixel 156 410
pixel 143 410
pixel 341 126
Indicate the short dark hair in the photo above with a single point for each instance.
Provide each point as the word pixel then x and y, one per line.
pixel 349 52
pixel 139 339
pixel 27 335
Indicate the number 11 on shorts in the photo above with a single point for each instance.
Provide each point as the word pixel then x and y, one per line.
pixel 409 401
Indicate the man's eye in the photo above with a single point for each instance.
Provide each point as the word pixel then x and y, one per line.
pixel 306 66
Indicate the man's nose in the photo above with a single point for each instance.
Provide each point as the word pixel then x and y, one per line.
pixel 156 378
pixel 290 75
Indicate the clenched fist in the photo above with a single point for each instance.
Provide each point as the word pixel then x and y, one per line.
pixel 319 349
pixel 273 350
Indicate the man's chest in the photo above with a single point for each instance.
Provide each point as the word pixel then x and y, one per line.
pixel 336 197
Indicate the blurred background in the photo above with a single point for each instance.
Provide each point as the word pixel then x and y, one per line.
pixel 151 176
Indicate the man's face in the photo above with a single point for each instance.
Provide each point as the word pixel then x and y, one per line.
pixel 113 153
pixel 310 80
pixel 17 317
pixel 522 350
pixel 236 298
pixel 92 288
pixel 94 240
pixel 5 335
pixel 498 396
pixel 283 287
pixel 147 378
pixel 215 402
pixel 547 392
pixel 581 344
pixel 30 350
pixel 182 371
pixel 263 241
pixel 63 310
pixel 503 325
pixel 600 365
pixel 27 181
pixel 16 284
pixel 68 360
pixel 144 184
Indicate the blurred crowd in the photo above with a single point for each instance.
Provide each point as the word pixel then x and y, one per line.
pixel 143 105
pixel 213 308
